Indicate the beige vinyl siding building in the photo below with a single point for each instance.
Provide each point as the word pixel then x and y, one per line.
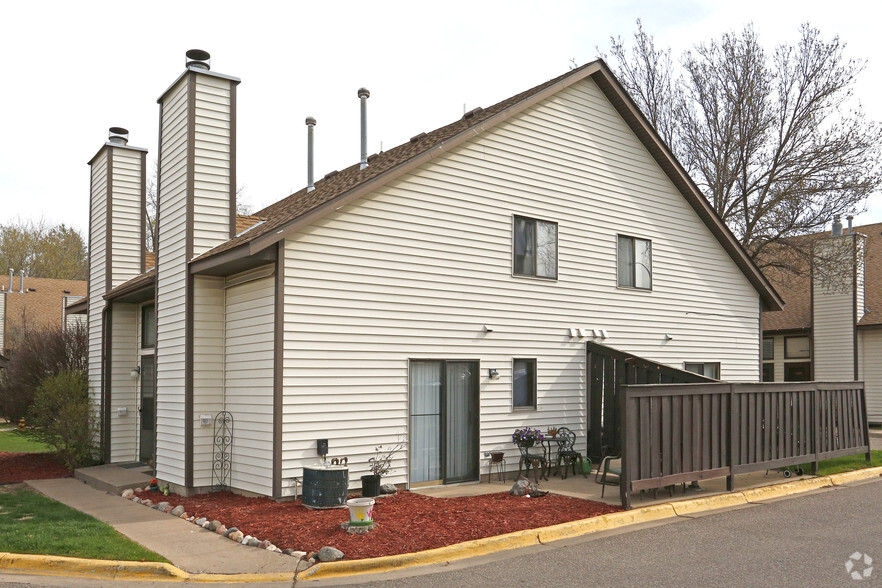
pixel 374 307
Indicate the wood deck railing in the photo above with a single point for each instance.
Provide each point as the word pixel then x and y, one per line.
pixel 678 433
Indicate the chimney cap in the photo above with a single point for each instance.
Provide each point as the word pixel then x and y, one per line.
pixel 118 136
pixel 364 93
pixel 310 120
pixel 198 58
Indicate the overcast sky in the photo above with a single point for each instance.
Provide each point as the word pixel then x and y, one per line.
pixel 73 69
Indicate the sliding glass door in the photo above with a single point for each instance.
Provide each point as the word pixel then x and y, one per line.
pixel 443 422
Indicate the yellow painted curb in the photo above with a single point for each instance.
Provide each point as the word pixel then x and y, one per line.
pixel 605 522
pixel 855 476
pixel 785 489
pixel 455 552
pixel 53 564
pixel 694 505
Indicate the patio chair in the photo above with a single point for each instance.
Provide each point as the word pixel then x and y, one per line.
pixel 567 455
pixel 610 466
pixel 535 460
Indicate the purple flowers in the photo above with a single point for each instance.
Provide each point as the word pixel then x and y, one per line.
pixel 527 435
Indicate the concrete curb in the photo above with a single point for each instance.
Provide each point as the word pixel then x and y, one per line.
pixel 122 570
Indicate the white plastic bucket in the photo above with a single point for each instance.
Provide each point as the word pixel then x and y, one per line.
pixel 361 511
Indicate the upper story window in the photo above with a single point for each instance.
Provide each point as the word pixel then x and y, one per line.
pixel 635 263
pixel 535 248
pixel 148 326
pixel 797 348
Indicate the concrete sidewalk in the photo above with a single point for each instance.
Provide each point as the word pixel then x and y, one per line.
pixel 187 546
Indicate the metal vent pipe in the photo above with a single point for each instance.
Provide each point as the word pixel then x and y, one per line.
pixel 363 94
pixel 118 136
pixel 11 274
pixel 21 282
pixel 310 126
pixel 850 218
pixel 837 227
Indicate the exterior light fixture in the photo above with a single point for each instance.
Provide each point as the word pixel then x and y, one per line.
pixel 136 372
pixel 494 375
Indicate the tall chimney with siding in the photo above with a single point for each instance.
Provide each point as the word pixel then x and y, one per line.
pixel 116 248
pixel 196 211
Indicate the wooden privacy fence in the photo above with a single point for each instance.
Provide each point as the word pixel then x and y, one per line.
pixel 608 370
pixel 680 433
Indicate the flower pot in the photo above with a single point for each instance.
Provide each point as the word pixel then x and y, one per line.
pixel 370 485
pixel 361 511
pixel 496 456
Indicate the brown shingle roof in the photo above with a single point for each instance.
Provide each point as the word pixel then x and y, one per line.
pixel 796 288
pixel 245 221
pixel 40 308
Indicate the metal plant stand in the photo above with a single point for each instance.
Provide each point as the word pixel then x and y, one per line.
pixel 223 443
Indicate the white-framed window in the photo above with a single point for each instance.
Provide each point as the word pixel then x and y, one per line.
pixel 708 369
pixel 523 384
pixel 534 248
pixel 634 263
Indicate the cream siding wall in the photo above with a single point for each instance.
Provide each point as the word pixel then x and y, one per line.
pixel 871 371
pixel 124 429
pixel 208 370
pixel 171 287
pixel 833 341
pixel 211 225
pixel 249 382
pixel 127 239
pixel 97 281
pixel 415 269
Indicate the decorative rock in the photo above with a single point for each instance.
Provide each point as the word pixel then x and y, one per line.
pixel 297 554
pixel 201 521
pixel 190 519
pixel 213 525
pixel 253 542
pixel 147 502
pixel 154 506
pixel 276 549
pixel 162 505
pixel 185 516
pixel 135 499
pixel 128 493
pixel 288 551
pixel 221 530
pixel 230 531
pixel 388 489
pixel 246 539
pixel 236 536
pixel 304 564
pixel 264 544
pixel 329 554
pixel 167 509
pixel 272 547
pixel 138 490
pixel 206 524
pixel 178 510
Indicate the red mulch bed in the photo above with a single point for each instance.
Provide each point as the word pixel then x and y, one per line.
pixel 18 467
pixel 406 522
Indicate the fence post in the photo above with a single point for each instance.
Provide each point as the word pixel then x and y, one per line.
pixel 734 439
pixel 625 476
pixel 816 419
pixel 866 423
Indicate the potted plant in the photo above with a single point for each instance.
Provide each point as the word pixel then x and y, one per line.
pixel 552 432
pixel 380 465
pixel 527 437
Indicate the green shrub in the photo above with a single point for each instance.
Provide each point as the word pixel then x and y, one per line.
pixel 61 417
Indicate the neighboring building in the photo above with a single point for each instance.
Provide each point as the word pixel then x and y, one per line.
pixel 831 326
pixel 442 290
pixel 32 303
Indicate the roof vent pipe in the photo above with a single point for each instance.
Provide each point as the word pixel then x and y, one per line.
pixel 850 218
pixel 21 282
pixel 837 226
pixel 363 94
pixel 11 273
pixel 198 59
pixel 118 136
pixel 310 125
